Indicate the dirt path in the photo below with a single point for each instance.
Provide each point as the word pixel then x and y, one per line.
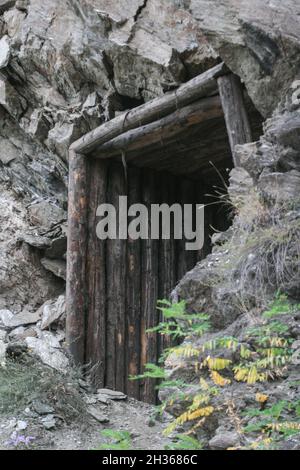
pixel 85 434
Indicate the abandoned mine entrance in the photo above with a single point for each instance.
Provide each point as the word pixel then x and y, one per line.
pixel 176 149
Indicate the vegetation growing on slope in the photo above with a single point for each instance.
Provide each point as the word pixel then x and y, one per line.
pixel 262 356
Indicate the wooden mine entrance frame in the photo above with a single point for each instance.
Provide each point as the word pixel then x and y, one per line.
pixel 215 93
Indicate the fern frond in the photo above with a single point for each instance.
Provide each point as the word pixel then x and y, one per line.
pixel 219 380
pixel 189 416
pixel 216 363
pixel 186 351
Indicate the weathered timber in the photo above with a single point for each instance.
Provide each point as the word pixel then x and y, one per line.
pixel 113 286
pixel 199 87
pixel 116 289
pixel 162 130
pixel 167 252
pixel 76 263
pixel 236 116
pixel 185 259
pixel 96 276
pixel 133 299
pixel 193 144
pixel 149 291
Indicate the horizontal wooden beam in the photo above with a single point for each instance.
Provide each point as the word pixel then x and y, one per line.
pixel 162 130
pixel 201 86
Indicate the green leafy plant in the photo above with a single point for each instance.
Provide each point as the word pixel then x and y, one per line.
pixel 177 323
pixel 117 440
pixel 268 356
pixel 280 306
pixel 184 442
pixel 262 355
pixel 277 422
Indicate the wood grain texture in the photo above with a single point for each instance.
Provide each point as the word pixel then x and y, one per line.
pixel 96 276
pixel 133 293
pixel 149 291
pixel 163 130
pixel 235 112
pixel 76 295
pixel 116 290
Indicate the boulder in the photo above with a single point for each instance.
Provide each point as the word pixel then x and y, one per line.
pixel 224 440
pixel 256 156
pixel 36 241
pixel 39 125
pixel 20 333
pixel 24 318
pixel 8 151
pixel 97 415
pixel 56 266
pixel 110 394
pixel 10 99
pixel 42 408
pixel 46 214
pixel 281 187
pixel 47 347
pixel 240 185
pixel 4 51
pixel 49 422
pixel 58 248
pixel 6 317
pixel 53 312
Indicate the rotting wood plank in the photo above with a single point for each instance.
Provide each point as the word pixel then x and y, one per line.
pixel 185 259
pixel 235 112
pixel 133 298
pixel 116 289
pixel 149 291
pixel 199 87
pixel 167 261
pixel 96 277
pixel 76 258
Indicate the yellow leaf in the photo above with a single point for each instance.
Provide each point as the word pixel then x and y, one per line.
pixel 219 380
pixel 200 413
pixel 289 426
pixel 189 416
pixel 216 363
pixel 261 398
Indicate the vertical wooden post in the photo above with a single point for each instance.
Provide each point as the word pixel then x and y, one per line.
pixel 116 289
pixel 96 276
pixel 186 260
pixel 133 300
pixel 76 262
pixel 149 290
pixel 167 261
pixel 236 116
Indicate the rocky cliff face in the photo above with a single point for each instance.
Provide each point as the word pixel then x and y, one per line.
pixel 259 40
pixel 66 67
